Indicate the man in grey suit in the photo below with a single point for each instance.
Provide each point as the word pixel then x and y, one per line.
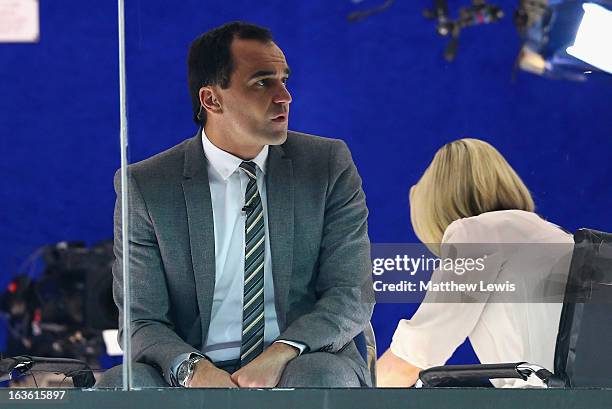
pixel 249 253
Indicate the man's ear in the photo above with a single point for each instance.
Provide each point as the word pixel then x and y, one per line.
pixel 210 99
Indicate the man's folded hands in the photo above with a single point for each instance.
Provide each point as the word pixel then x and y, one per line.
pixel 263 372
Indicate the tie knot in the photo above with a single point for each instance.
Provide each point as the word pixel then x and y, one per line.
pixel 250 169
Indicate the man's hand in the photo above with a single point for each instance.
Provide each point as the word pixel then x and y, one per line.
pixel 207 375
pixel 265 371
pixel 394 372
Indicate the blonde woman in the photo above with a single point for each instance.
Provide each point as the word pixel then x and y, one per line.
pixel 470 194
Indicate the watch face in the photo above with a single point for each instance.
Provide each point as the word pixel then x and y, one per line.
pixel 186 368
pixel 183 372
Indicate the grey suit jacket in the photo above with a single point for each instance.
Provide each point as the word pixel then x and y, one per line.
pixel 317 219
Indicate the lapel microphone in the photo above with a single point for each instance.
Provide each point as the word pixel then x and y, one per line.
pixel 248 208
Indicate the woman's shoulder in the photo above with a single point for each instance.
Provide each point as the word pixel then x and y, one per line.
pixel 509 226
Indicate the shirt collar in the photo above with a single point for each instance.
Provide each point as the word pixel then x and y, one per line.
pixel 225 163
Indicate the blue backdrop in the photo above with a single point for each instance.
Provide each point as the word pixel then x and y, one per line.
pixel 381 85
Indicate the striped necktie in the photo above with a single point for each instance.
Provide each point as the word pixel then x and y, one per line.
pixel 255 243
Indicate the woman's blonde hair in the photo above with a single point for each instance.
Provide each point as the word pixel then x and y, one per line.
pixel 466 177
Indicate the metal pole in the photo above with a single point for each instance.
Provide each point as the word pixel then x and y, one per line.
pixel 125 245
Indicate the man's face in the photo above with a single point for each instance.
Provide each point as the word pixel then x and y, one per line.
pixel 255 106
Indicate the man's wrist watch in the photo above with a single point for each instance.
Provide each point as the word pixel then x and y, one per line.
pixel 184 373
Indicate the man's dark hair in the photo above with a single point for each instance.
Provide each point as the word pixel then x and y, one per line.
pixel 210 60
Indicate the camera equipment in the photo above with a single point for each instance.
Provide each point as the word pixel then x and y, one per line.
pixel 477 14
pixel 566 39
pixel 61 313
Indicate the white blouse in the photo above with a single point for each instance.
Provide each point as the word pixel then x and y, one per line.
pixel 500 331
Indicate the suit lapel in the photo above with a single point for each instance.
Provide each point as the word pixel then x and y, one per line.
pixel 279 188
pixel 201 227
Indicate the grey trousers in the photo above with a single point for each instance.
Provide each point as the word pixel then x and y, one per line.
pixel 317 369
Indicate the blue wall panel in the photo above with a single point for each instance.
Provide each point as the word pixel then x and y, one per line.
pixel 381 85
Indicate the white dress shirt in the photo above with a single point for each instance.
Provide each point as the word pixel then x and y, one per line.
pixel 500 332
pixel 228 185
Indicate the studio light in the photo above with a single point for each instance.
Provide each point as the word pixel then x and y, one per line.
pixel 593 43
pixel 566 39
